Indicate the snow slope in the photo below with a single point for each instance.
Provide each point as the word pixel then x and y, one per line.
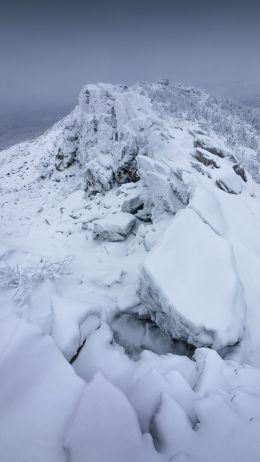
pixel 129 264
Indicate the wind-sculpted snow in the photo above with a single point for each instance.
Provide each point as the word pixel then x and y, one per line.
pixel 189 284
pixel 50 414
pixel 185 404
pixel 145 194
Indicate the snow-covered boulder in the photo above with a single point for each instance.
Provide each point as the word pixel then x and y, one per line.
pixel 189 285
pixel 240 171
pixel 133 204
pixel 205 158
pixel 114 227
pixel 229 182
pixel 167 187
pixel 214 147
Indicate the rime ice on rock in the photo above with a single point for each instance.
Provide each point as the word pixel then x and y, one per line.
pixel 114 227
pixel 189 285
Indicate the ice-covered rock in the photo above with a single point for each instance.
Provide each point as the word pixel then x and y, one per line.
pixel 229 182
pixel 114 227
pixel 205 158
pixel 240 171
pixel 180 161
pixel 167 187
pixel 214 147
pixel 133 204
pixel 189 284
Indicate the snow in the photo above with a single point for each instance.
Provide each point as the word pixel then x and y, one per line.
pixel 132 204
pixel 114 227
pixel 189 284
pixel 184 403
pixel 129 244
pixel 106 428
pixel 230 183
pixel 216 148
pixel 38 395
pixel 71 326
pixel 237 219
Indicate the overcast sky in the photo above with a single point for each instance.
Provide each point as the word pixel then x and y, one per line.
pixel 49 49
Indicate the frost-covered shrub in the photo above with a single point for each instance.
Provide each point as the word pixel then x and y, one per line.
pixel 221 115
pixel 239 125
pixel 24 279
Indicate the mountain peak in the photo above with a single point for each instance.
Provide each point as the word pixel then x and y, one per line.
pixel 130 236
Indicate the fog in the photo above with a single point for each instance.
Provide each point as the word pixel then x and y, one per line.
pixel 50 49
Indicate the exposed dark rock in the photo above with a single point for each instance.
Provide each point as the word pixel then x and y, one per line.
pixel 95 125
pixel 94 183
pixel 62 161
pixel 127 173
pixel 222 185
pixel 213 150
pixel 136 332
pixel 240 171
pixel 113 118
pixel 204 159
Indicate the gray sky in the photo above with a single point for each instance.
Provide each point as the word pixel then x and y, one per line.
pixel 49 49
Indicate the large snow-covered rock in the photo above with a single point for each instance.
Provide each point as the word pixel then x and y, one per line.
pixel 114 227
pixel 216 148
pixel 189 284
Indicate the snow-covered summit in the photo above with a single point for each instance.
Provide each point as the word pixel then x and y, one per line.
pixel 148 151
pixel 139 150
pixel 114 123
pixel 133 224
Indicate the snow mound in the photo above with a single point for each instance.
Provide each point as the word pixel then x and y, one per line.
pixel 106 428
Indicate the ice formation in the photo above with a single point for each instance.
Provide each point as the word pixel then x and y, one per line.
pixel 129 282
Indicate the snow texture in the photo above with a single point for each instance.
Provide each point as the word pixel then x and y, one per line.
pixel 189 283
pixel 114 227
pixel 129 281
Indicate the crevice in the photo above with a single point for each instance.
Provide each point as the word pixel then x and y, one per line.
pixel 77 353
pixel 138 332
pixel 206 222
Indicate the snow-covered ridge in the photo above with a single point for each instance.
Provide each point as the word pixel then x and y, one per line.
pixel 133 224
